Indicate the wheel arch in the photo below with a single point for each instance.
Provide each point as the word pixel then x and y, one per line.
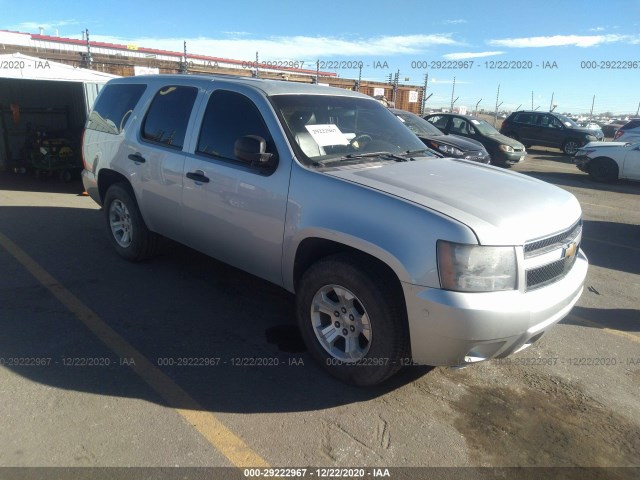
pixel 106 178
pixel 314 248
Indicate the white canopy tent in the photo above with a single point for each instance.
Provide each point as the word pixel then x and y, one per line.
pixel 41 94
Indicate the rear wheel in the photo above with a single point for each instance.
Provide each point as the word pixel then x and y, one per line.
pixel 603 169
pixel 127 231
pixel 353 323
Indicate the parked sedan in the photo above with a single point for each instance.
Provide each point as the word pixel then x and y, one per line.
pixel 504 151
pixel 449 145
pixel 609 161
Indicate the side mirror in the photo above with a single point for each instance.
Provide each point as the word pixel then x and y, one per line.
pixel 252 150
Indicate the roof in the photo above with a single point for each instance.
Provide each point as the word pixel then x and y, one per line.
pixel 23 67
pixel 269 87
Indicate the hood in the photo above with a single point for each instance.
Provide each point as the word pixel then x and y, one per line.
pixel 501 207
pixel 464 144
pixel 586 131
pixel 504 140
pixel 604 144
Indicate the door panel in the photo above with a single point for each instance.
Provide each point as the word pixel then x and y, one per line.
pixel 631 167
pixel 233 211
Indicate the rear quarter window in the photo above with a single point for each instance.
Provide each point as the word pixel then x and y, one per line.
pixel 526 118
pixel 168 116
pixel 114 107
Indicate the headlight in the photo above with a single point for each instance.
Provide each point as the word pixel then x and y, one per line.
pixel 506 148
pixel 450 150
pixel 476 268
pixel 591 138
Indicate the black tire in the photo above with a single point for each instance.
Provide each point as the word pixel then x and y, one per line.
pixel 378 296
pixel 134 242
pixel 571 146
pixel 603 169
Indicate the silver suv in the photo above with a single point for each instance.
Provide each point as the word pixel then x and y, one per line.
pixel 395 256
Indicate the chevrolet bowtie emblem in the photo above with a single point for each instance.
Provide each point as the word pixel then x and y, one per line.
pixel 569 250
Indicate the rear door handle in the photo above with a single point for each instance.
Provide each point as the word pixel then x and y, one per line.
pixel 198 176
pixel 136 157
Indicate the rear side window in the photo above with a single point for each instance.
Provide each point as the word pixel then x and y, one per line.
pixel 526 118
pixel 631 124
pixel 168 116
pixel 114 107
pixel 438 120
pixel 230 116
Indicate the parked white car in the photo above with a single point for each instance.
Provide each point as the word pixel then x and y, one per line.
pixel 610 161
pixel 629 132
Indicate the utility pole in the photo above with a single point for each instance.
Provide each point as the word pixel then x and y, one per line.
pixel 476 109
pixel 638 109
pixel 85 57
pixel 359 78
pixel 453 89
pixel 424 94
pixel 551 104
pixel 592 104
pixel 395 87
pixel 184 65
pixel 531 99
pixel 256 71
pixel 495 114
pixel 317 71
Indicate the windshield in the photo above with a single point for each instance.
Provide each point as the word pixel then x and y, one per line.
pixel 484 127
pixel 567 121
pixel 416 124
pixel 327 127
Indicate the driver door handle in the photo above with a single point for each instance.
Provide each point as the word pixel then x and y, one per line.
pixel 198 176
pixel 136 157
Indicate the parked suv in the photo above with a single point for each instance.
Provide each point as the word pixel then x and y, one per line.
pixel 503 150
pixel 629 132
pixel 548 129
pixel 395 256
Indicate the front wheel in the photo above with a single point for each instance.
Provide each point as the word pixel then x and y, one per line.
pixel 353 323
pixel 603 170
pixel 571 146
pixel 127 231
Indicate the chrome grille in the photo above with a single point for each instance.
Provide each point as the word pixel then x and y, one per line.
pixel 549 273
pixel 543 275
pixel 536 247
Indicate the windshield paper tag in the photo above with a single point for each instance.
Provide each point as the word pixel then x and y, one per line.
pixel 325 135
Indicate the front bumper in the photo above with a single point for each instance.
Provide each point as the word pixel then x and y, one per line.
pixel 509 158
pixel 480 157
pixel 582 162
pixel 454 328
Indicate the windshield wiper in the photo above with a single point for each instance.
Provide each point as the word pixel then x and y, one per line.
pixel 355 156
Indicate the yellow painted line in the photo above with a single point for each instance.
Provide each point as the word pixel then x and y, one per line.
pixel 613 244
pixel 589 323
pixel 212 429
